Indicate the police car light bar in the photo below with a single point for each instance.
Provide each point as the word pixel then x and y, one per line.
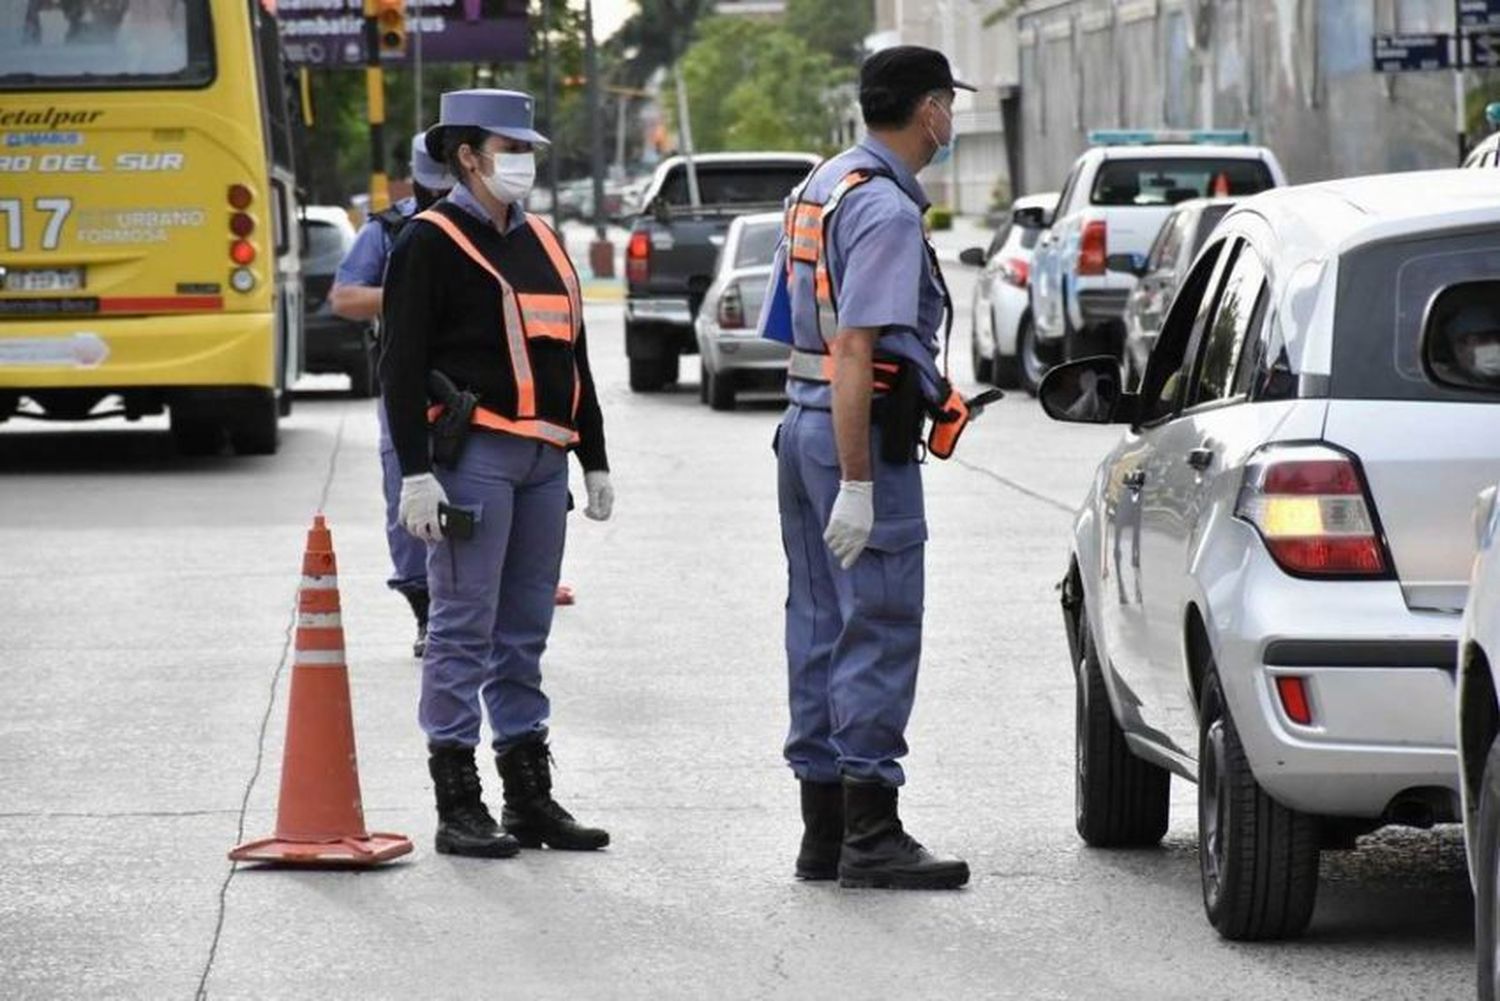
pixel 1149 137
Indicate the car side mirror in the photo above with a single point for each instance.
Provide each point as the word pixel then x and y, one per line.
pixel 1461 337
pixel 1087 391
pixel 1032 218
pixel 1130 264
pixel 973 257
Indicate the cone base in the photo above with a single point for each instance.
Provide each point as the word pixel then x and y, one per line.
pixel 366 851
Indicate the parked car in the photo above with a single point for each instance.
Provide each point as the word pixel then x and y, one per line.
pixel 1002 339
pixel 1264 583
pixel 1461 350
pixel 1113 204
pixel 674 247
pixel 1161 272
pixel 734 358
pixel 334 344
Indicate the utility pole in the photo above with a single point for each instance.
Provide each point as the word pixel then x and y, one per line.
pixel 547 63
pixel 380 192
pixel 685 130
pixel 1460 97
pixel 419 119
pixel 601 251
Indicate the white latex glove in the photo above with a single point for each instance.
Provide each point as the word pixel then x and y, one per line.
pixel 601 496
pixel 851 520
pixel 418 511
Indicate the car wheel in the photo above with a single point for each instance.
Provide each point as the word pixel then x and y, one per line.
pixel 1005 369
pixel 1486 854
pixel 254 429
pixel 646 375
pixel 703 377
pixel 1120 801
pixel 1258 859
pixel 983 367
pixel 195 436
pixel 363 380
pixel 721 390
pixel 1035 359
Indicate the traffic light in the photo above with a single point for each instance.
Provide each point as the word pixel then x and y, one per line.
pixel 390 26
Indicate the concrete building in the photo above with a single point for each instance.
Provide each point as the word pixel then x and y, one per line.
pixel 981 42
pixel 1297 73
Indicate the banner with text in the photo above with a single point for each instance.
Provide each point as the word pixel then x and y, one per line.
pixel 329 33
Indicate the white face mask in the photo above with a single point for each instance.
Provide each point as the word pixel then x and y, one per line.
pixel 511 176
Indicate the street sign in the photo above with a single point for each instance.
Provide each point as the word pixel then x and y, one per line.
pixel 329 34
pixel 1484 49
pixel 1412 53
pixel 1479 13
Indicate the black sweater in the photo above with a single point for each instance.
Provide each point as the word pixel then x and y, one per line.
pixel 442 311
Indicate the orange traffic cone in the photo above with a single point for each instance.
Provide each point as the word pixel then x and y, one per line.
pixel 320 820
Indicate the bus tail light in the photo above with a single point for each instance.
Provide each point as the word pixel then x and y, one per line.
pixel 241 224
pixel 242 252
pixel 240 197
pixel 1093 248
pixel 1310 505
pixel 242 280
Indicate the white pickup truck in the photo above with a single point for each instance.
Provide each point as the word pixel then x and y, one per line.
pixel 1115 199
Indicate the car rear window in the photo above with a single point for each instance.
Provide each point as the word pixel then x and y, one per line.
pixel 105 44
pixel 757 245
pixel 1167 182
pixel 730 184
pixel 1029 237
pixel 1210 218
pixel 325 247
pixel 1383 294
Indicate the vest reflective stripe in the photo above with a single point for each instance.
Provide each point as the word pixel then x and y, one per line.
pixel 544 431
pixel 810 367
pixel 806 232
pixel 515 330
pixel 563 265
pixel 548 316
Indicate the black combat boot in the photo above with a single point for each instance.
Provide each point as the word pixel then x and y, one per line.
pixel 531 815
pixel 878 852
pixel 822 830
pixel 419 602
pixel 465 826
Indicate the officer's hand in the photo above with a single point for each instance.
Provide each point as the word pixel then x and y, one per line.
pixel 851 520
pixel 418 511
pixel 601 496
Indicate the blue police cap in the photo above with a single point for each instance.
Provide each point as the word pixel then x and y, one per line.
pixel 424 169
pixel 506 113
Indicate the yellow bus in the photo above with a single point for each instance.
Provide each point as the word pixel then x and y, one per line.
pixel 148 217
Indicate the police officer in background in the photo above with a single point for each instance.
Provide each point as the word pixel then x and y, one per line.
pixel 866 305
pixel 357 295
pixel 484 319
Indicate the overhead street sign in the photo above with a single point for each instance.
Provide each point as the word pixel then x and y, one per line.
pixel 1412 53
pixel 330 33
pixel 1479 13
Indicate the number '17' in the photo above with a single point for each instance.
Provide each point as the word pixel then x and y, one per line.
pixel 57 210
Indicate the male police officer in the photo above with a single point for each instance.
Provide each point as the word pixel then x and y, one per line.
pixel 357 295
pixel 866 302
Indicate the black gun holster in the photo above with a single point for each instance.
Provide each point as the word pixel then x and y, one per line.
pixel 900 415
pixel 451 430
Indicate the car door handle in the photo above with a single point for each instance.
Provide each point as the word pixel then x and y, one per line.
pixel 1135 479
pixel 1201 458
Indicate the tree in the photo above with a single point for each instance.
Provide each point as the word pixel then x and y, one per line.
pixel 837 28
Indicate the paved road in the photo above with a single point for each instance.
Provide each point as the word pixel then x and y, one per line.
pixel 144 610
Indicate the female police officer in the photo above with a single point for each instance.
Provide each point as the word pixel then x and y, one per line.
pixel 483 294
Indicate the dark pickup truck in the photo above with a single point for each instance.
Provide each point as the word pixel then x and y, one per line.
pixel 669 262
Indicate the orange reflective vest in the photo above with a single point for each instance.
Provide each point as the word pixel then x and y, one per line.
pixel 527 317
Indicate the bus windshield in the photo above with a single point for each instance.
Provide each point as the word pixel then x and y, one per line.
pixel 97 44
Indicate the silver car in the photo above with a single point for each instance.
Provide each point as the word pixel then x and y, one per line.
pixel 734 358
pixel 1266 577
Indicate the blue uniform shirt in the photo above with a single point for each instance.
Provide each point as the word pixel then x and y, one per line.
pixel 364 264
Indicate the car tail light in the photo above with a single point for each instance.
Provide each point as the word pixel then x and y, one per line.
pixel 638 259
pixel 731 309
pixel 1015 271
pixel 1310 505
pixel 1292 690
pixel 1093 249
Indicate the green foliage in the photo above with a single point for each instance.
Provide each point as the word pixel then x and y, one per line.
pixel 939 217
pixel 836 28
pixel 753 86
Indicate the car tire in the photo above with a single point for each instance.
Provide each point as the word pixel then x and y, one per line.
pixel 363 378
pixel 721 390
pixel 255 427
pixel 670 368
pixel 1120 801
pixel 1258 859
pixel 196 436
pixel 1486 855
pixel 984 368
pixel 1033 360
pixel 703 377
pixel 646 375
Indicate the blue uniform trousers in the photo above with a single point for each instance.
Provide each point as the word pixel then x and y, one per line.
pixel 408 553
pixel 853 637
pixel 492 595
